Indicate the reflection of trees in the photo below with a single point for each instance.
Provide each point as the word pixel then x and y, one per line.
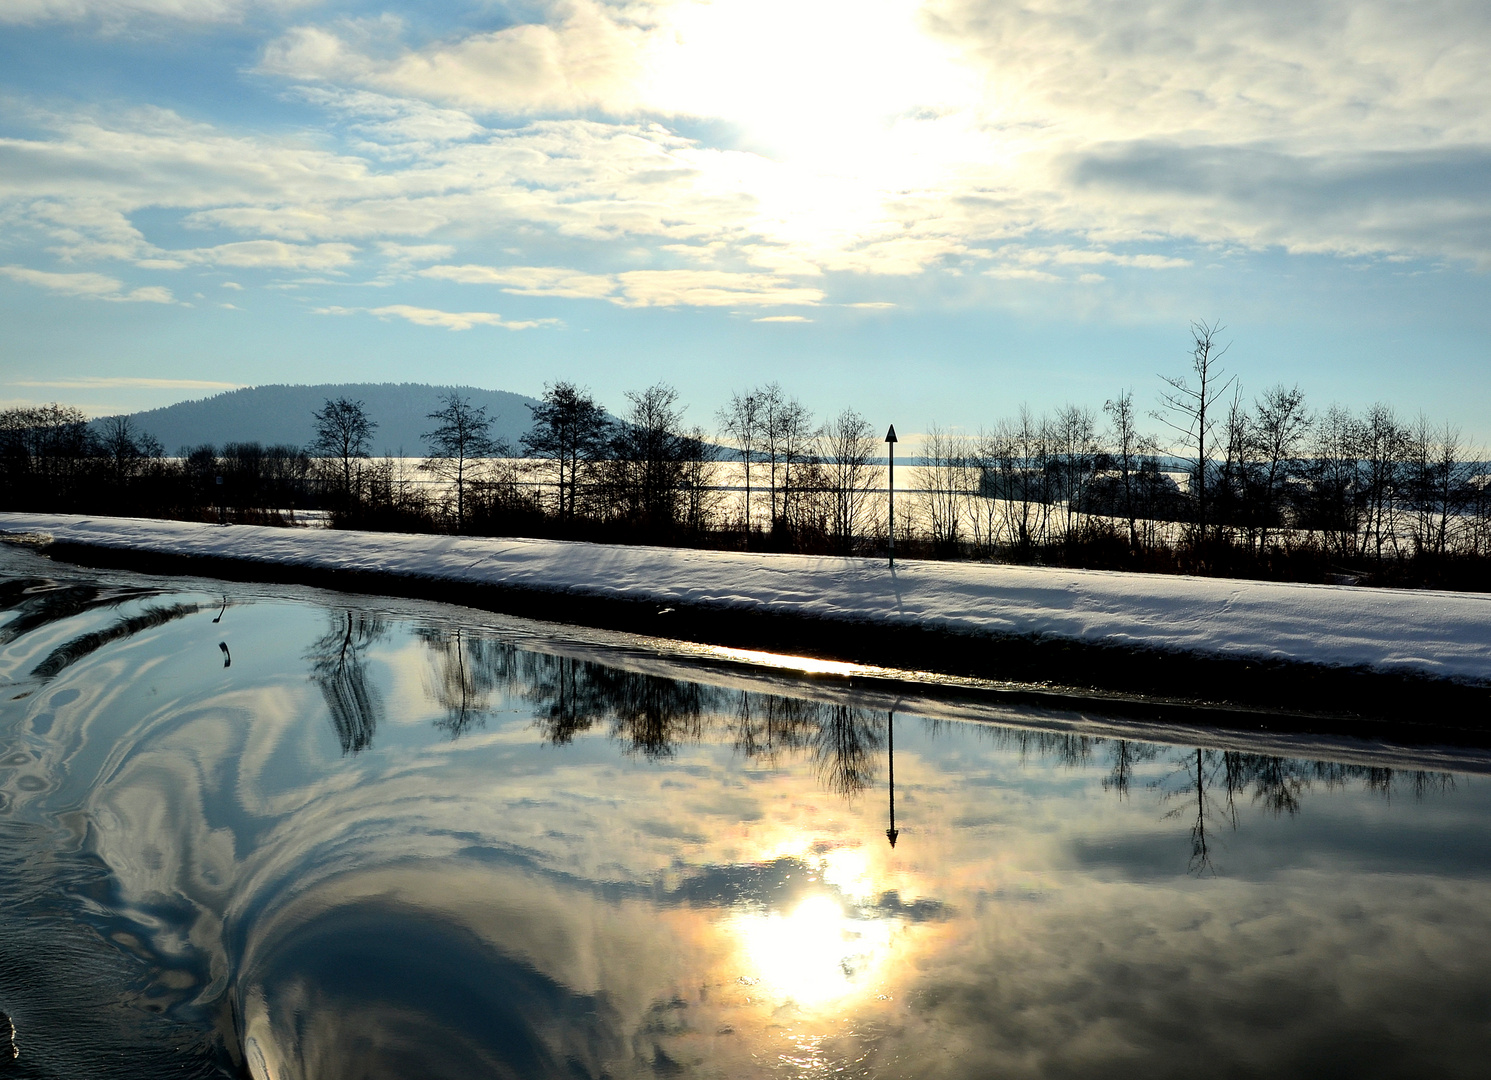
pixel 1125 754
pixel 654 715
pixel 469 670
pixel 1197 797
pixel 338 665
pixel 766 725
pixel 1205 786
pixel 845 747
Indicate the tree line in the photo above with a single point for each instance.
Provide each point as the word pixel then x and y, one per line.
pixel 1218 483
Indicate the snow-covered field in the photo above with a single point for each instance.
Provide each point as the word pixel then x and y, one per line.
pixel 1436 633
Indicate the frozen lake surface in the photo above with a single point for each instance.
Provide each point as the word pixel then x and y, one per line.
pixel 273 829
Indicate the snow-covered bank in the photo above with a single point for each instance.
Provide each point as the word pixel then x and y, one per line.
pixel 1432 633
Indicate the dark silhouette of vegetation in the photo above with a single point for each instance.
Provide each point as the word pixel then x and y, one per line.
pixel 344 433
pixel 1267 488
pixel 571 431
pixel 459 445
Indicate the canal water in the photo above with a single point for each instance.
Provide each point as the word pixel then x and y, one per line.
pixel 248 831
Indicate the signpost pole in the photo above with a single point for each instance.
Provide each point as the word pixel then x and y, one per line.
pixel 892 832
pixel 890 442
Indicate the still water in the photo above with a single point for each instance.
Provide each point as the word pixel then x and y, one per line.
pixel 289 834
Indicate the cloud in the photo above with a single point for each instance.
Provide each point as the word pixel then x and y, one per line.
pixel 88 284
pixel 88 382
pixel 590 57
pixel 113 13
pixel 449 320
pixel 783 318
pixel 637 288
pixel 531 280
pixel 1041 141
pixel 272 254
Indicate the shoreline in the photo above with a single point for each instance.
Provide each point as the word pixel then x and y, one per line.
pixel 1283 693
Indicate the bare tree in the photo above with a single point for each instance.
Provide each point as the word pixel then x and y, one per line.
pixel 1189 408
pixel 1335 469
pixel 343 433
pixel 1384 444
pixel 1020 478
pixel 457 445
pixel 943 455
pixel 572 431
pixel 1076 456
pixel 1128 446
pixel 1276 440
pixel 741 422
pixel 123 448
pixel 1438 481
pixel 701 494
pixel 792 438
pixel 648 454
pixel 847 446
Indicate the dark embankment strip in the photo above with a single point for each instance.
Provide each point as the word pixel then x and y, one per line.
pixel 1235 693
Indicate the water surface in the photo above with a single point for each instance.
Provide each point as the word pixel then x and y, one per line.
pixel 295 835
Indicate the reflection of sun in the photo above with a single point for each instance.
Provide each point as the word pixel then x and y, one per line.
pixel 815 954
pixel 848 870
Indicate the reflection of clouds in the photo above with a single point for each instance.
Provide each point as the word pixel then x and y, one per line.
pixel 589 896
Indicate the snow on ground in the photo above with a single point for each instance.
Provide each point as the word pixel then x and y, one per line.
pixel 1436 633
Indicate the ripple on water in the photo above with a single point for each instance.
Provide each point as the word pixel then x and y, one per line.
pixel 394 845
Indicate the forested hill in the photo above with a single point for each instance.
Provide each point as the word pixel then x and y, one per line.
pixel 282 414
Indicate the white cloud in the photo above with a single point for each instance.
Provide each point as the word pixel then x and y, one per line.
pixel 637 288
pixel 272 254
pixel 98 382
pixel 880 138
pixel 114 15
pixel 449 320
pixel 89 284
pixel 83 284
pixel 531 280
pixel 783 318
pixel 590 57
pixel 711 288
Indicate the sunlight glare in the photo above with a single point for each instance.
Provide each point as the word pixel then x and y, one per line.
pixel 814 955
pixel 819 82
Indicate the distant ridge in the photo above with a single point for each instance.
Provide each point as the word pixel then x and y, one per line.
pixel 282 414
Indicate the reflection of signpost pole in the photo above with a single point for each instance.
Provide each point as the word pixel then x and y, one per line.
pixel 890 442
pixel 892 832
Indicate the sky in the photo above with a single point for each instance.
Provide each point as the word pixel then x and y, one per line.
pixel 931 212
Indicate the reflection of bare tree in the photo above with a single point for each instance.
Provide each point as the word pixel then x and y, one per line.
pixel 1196 798
pixel 562 691
pixel 1386 782
pixel 469 670
pixel 845 748
pixel 653 714
pixel 1125 754
pixel 1278 783
pixel 765 725
pixel 338 665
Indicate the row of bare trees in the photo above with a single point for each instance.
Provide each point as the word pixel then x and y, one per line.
pixel 1257 485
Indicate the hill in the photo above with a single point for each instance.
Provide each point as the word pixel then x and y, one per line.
pixel 282 414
